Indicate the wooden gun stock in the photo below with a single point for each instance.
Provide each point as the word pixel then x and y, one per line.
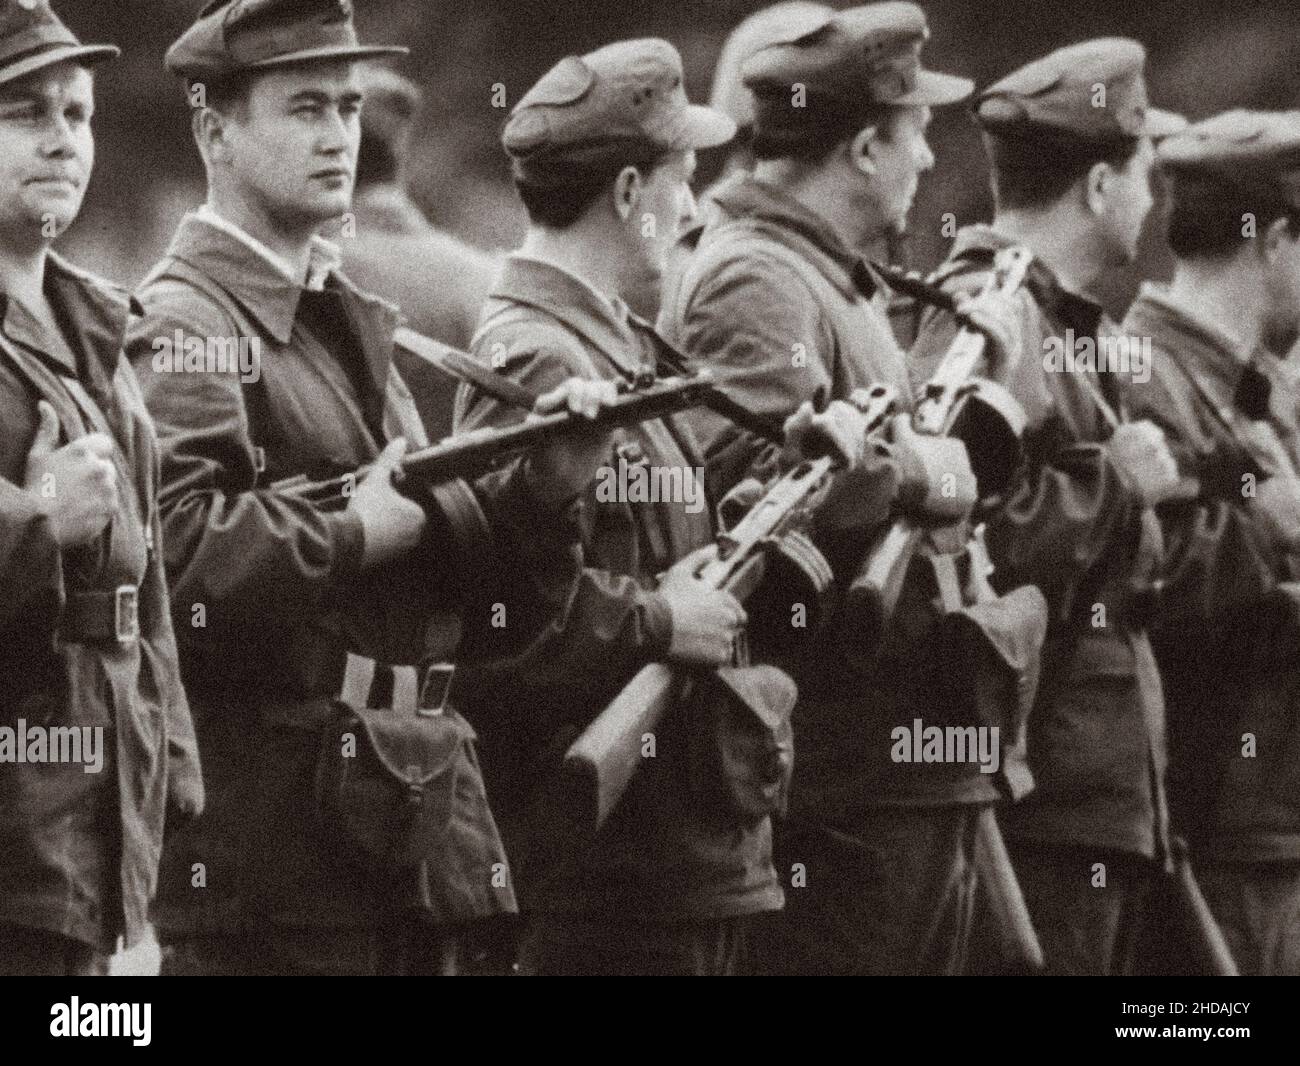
pixel 600 764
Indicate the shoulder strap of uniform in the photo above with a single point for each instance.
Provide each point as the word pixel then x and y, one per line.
pixel 259 414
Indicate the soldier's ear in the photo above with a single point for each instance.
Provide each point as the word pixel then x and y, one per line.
pixel 1096 187
pixel 860 150
pixel 627 192
pixel 210 134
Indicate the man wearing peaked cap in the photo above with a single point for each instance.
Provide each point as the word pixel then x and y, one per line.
pixel 1228 407
pixel 1091 91
pixel 233 38
pixel 298 618
pixel 32 37
pixel 780 22
pixel 602 150
pixel 777 288
pixel 1071 139
pixel 87 632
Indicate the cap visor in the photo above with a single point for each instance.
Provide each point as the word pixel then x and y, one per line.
pixel 703 127
pixel 1162 123
pixel 933 89
pixel 320 55
pixel 80 53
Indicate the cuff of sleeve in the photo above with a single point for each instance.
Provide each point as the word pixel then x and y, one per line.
pixel 349 544
pixel 658 625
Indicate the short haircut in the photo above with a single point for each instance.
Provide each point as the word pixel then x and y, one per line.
pixel 226 95
pixel 817 129
pixel 1035 169
pixel 558 204
pixel 1208 220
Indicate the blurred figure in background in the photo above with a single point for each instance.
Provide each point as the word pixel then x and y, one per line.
pixel 394 251
pixel 780 22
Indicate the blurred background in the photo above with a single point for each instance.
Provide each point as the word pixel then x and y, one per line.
pixel 1206 56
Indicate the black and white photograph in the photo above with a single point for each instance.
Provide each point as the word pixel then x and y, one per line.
pixel 651 489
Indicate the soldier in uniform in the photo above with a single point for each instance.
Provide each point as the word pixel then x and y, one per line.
pixel 1070 137
pixel 393 250
pixel 603 148
pixel 88 643
pixel 1229 412
pixel 298 620
pixel 879 854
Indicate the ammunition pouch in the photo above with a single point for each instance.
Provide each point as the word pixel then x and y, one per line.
pixel 398 790
pixel 995 651
pixel 742 742
pixel 989 647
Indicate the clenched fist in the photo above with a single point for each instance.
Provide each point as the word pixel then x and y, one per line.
pixel 839 431
pixel 392 524
pixel 706 621
pixel 76 485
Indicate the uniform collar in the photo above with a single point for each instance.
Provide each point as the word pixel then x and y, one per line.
pixel 606 325
pixel 243 266
pixel 271 298
pixel 1217 361
pixel 94 313
pixel 790 222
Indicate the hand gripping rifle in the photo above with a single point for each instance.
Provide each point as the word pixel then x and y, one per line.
pixel 600 764
pixel 468 455
pixel 954 402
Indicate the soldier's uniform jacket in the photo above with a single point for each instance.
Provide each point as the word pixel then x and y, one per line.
pixel 1227 653
pixel 267 591
pixel 1070 526
pixel 674 848
pixel 772 293
pixel 81 849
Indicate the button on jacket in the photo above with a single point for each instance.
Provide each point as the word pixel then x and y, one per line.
pixel 81 850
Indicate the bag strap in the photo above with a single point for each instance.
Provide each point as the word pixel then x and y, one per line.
pixel 254 392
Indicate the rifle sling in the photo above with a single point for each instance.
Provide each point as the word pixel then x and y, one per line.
pixel 462 367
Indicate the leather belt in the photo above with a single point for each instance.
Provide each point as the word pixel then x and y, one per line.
pixel 408 695
pixel 102 616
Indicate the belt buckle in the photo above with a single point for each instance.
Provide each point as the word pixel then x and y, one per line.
pixel 126 614
pixel 437 689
